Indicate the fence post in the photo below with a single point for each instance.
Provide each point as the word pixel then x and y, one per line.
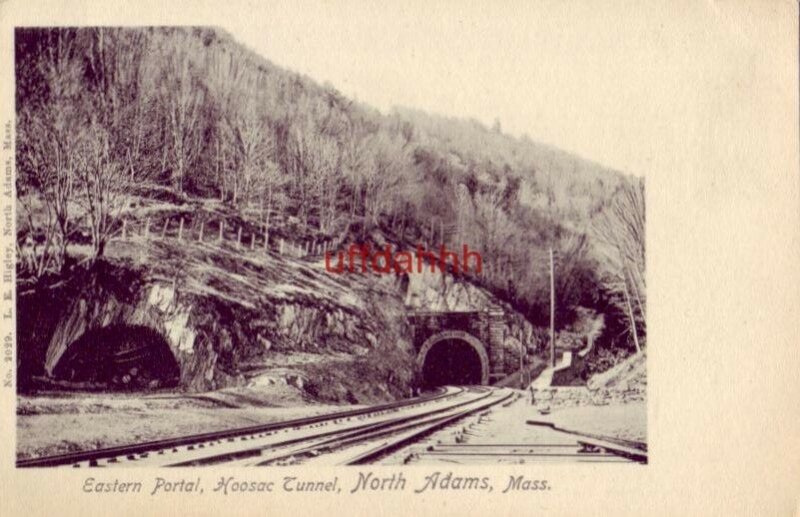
pixel 239 237
pixel 164 230
pixel 147 229
pixel 124 230
pixel 266 237
pixel 221 229
pixel 180 229
pixel 252 241
pixel 202 225
pixel 280 246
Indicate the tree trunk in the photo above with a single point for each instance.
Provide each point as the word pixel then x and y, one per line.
pixel 630 315
pixel 635 287
pixel 552 313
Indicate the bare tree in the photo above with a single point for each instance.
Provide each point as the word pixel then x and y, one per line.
pixel 620 231
pixel 40 219
pixel 115 60
pixel 270 184
pixel 47 149
pixel 311 160
pixel 104 185
pixel 379 187
pixel 181 99
pixel 247 136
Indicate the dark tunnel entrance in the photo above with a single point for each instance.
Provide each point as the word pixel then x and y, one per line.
pixel 451 361
pixel 119 357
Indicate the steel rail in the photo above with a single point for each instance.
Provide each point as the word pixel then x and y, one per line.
pixel 331 438
pixel 426 429
pixel 92 456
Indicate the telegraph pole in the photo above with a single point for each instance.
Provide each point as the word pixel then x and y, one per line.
pixel 552 313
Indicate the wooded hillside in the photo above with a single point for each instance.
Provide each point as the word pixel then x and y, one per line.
pixel 106 112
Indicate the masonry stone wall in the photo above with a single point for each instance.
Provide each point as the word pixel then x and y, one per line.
pixel 488 326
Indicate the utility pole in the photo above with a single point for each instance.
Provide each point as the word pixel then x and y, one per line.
pixel 552 313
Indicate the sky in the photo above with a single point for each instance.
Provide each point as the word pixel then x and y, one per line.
pixel 564 74
pixel 624 83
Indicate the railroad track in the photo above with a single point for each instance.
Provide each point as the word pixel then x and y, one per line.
pixel 475 442
pixel 437 428
pixel 423 430
pixel 371 443
pixel 327 443
pixel 420 439
pixel 131 453
pixel 519 453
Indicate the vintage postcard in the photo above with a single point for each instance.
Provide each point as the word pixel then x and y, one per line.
pixel 399 257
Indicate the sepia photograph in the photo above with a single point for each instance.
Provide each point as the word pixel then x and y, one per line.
pixel 225 261
pixel 418 258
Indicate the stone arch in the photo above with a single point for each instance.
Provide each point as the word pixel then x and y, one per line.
pixel 468 338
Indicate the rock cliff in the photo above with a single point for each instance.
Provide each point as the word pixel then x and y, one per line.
pixel 227 316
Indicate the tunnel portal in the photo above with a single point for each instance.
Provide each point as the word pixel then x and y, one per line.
pixel 453 357
pixel 119 357
pixel 451 362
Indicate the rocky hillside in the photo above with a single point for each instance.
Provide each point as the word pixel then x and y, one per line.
pixel 630 375
pixel 230 315
pixel 175 189
pixel 191 113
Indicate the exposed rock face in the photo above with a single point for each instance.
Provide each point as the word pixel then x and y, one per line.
pixel 225 317
pixel 436 291
pixel 232 318
pixel 151 305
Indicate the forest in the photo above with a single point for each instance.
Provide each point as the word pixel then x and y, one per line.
pixel 107 113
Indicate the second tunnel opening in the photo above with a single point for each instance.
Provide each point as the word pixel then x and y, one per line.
pixel 119 357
